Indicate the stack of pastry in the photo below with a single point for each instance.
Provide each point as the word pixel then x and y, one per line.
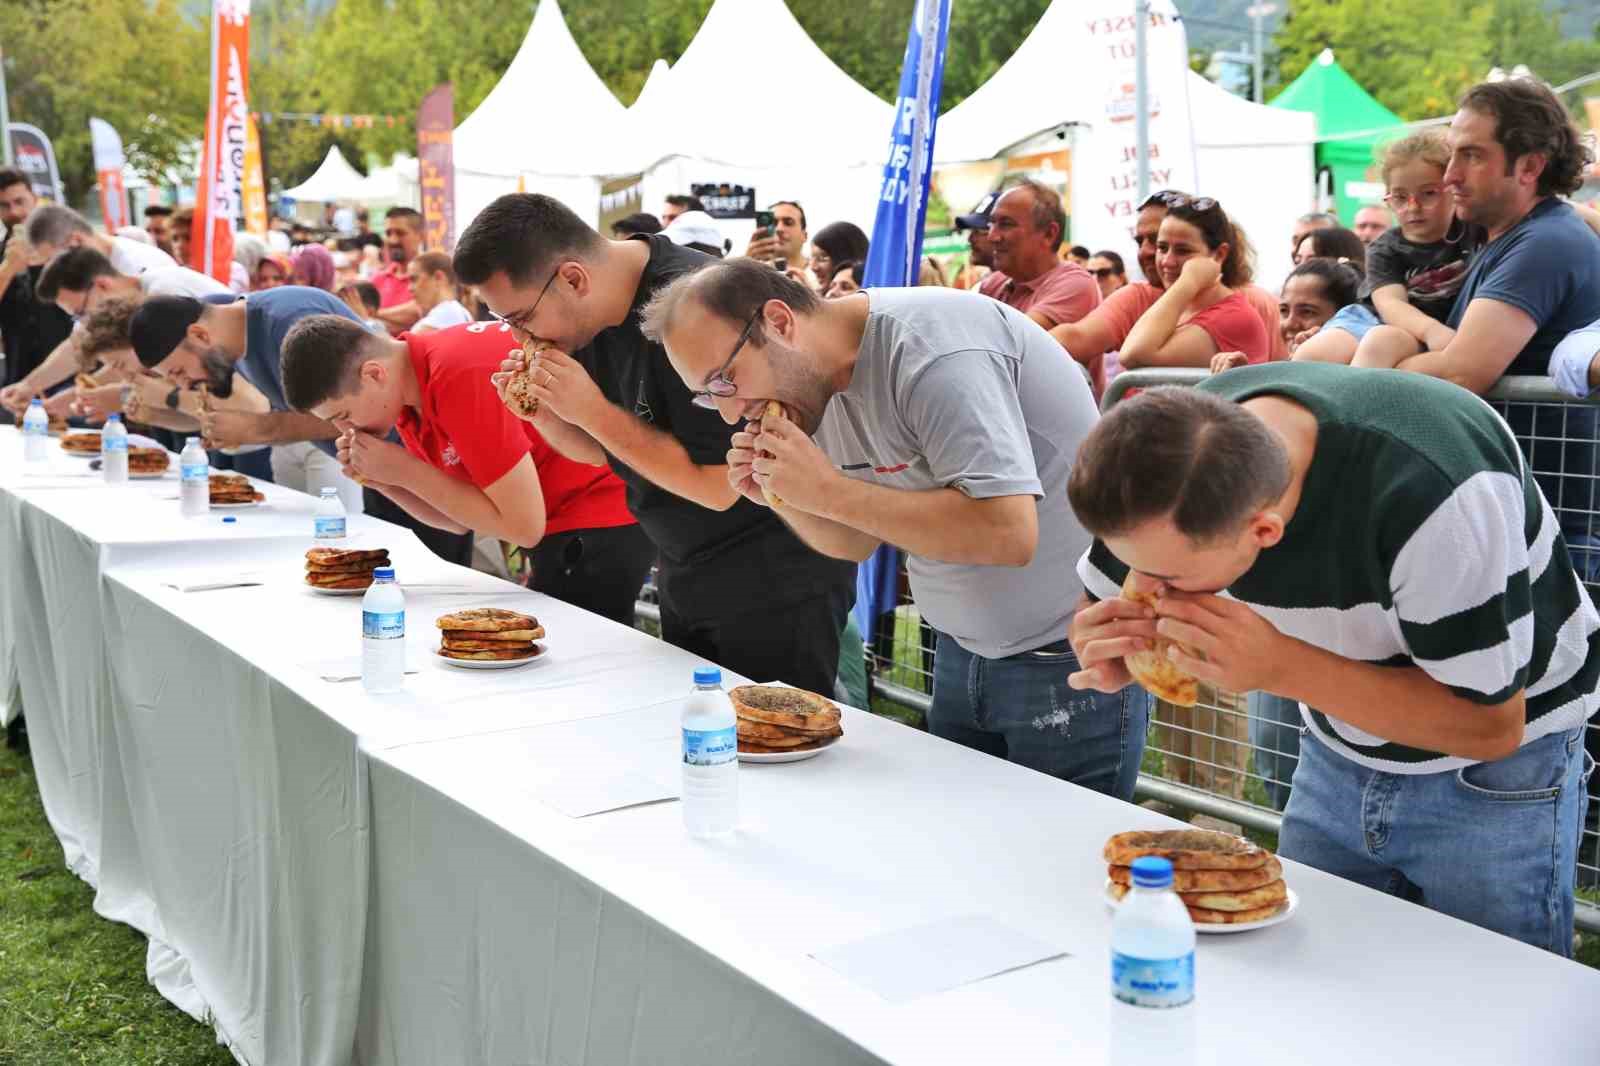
pixel 81 443
pixel 483 634
pixel 147 462
pixel 343 568
pixel 774 719
pixel 1221 878
pixel 233 489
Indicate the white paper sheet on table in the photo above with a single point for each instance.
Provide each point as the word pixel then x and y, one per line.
pixel 588 790
pixel 189 580
pixel 937 956
pixel 348 667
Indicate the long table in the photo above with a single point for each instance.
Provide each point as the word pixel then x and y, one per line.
pixel 332 877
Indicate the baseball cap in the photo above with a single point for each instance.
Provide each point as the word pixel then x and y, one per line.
pixel 693 227
pixel 979 218
pixel 159 325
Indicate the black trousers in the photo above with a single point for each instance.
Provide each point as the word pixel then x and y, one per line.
pixel 600 570
pixel 451 547
pixel 796 643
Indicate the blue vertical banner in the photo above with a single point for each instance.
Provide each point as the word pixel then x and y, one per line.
pixel 895 255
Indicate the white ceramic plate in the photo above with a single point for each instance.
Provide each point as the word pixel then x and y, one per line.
pixel 240 507
pixel 337 592
pixel 786 756
pixel 491 664
pixel 1243 927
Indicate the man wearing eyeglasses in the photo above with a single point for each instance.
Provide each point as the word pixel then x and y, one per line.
pixel 945 423
pixel 736 586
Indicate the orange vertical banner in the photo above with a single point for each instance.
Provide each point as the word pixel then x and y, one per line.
pixel 254 182
pixel 219 200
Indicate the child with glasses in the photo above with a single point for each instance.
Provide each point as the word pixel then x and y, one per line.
pixel 1414 271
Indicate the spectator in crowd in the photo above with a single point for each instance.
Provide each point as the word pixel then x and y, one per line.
pixel 676 205
pixel 157 223
pixel 179 229
pixel 1372 222
pixel 274 271
pixel 697 230
pixel 786 241
pixel 248 252
pixel 1109 272
pixel 362 298
pixel 835 243
pixel 402 236
pixel 1313 294
pixel 606 394
pixel 466 463
pixel 930 273
pixel 312 266
pixel 29 329
pixel 1414 271
pixel 1080 255
pixel 344 269
pixel 1026 225
pixel 433 284
pixel 1332 242
pixel 1202 260
pixel 980 253
pixel 939 421
pixel 638 222
pixel 1387 561
pixel 52 228
pixel 845 279
pixel 364 237
pixel 1308 222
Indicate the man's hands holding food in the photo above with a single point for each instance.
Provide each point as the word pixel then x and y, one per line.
pixel 774 461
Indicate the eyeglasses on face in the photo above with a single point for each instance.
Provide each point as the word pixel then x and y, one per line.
pixel 1423 198
pixel 520 320
pixel 719 385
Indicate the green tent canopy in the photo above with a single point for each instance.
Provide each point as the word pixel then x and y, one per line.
pixel 1341 106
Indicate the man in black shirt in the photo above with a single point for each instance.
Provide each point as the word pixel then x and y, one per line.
pixel 736 585
pixel 29 329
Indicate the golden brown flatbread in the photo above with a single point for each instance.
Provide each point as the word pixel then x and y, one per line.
pixel 484 656
pixel 1205 916
pixel 523 646
pixel 778 705
pixel 519 390
pixel 767 731
pixel 1268 895
pixel 524 635
pixel 1159 675
pixel 81 443
pixel 348 568
pixel 775 409
pixel 1211 880
pixel 347 556
pixel 1189 849
pixel 756 747
pixel 486 620
pixel 340 581
pixel 148 460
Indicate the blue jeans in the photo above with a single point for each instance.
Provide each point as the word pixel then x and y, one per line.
pixel 1022 709
pixel 1275 725
pixel 1493 844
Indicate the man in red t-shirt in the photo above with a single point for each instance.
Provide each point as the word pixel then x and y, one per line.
pixel 468 463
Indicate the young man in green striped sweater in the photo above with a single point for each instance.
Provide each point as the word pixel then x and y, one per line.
pixel 1370 544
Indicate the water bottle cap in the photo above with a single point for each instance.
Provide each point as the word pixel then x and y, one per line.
pixel 383 573
pixel 36 402
pixel 229 520
pixel 707 675
pixel 192 440
pixel 330 492
pixel 113 417
pixel 1152 871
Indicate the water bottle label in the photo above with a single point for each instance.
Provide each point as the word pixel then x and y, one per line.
pixel 383 625
pixel 34 428
pixel 1152 982
pixel 710 747
pixel 194 471
pixel 330 527
pixel 113 444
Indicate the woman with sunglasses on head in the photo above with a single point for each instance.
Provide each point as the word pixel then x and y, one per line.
pixel 1203 260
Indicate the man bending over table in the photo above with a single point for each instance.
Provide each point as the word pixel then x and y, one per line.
pixel 1373 546
pixel 468 463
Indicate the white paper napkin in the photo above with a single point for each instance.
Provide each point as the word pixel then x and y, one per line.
pixel 935 957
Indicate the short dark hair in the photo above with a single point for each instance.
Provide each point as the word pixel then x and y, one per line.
pixel 524 235
pixel 412 216
pixel 688 203
pixel 1217 229
pixel 160 324
pixel 1336 242
pixel 1114 258
pixel 1341 281
pixel 841 241
pixel 798 210
pixel 10 176
pixel 1080 252
pixel 1529 120
pixel 1047 208
pixel 855 266
pixel 369 294
pixel 106 329
pixel 638 222
pixel 734 289
pixel 1176 452
pixel 157 211
pixel 322 359
pixel 74 270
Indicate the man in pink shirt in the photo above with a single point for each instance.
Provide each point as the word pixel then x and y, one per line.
pixel 1026 226
pixel 402 241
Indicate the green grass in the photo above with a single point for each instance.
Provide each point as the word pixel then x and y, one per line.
pixel 72 985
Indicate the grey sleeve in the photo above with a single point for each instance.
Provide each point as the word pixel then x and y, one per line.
pixel 965 413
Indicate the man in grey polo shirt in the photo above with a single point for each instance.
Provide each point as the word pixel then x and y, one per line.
pixel 945 424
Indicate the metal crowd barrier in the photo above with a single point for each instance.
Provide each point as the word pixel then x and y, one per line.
pixel 1232 756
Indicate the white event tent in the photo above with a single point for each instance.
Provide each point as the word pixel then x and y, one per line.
pixel 1256 160
pixel 549 125
pixel 334 180
pixel 718 120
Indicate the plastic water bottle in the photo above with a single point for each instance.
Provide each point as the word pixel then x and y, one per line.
pixel 114 451
pixel 330 524
pixel 35 433
pixel 383 634
pixel 1152 940
pixel 194 490
pixel 710 758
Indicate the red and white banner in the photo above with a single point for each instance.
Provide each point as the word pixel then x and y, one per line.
pixel 108 162
pixel 219 200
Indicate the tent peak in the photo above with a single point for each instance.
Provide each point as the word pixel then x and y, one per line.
pixel 1326 58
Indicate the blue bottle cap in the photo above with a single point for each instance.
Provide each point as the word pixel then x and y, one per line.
pixel 707 675
pixel 36 402
pixel 229 520
pixel 383 573
pixel 1152 871
pixel 113 417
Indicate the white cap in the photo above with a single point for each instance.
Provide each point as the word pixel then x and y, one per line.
pixel 694 227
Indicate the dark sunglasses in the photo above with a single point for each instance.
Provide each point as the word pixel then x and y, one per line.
pixel 1105 272
pixel 1198 204
pixel 1164 198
